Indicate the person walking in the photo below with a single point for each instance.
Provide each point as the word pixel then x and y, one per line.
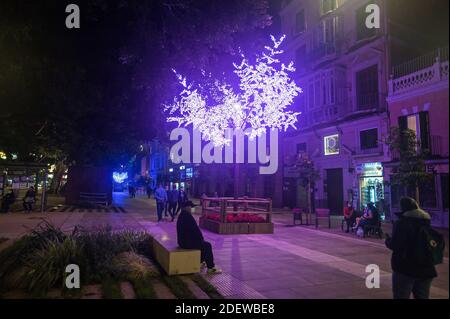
pixel 149 190
pixel 182 199
pixel 189 236
pixel 173 201
pixel 166 203
pixel 161 199
pixel 29 199
pixel 416 249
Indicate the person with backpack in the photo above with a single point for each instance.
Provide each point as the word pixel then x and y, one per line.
pixel 416 249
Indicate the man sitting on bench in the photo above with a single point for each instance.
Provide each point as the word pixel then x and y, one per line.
pixel 190 237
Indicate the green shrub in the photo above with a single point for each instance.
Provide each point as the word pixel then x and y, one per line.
pixel 37 261
pixel 46 266
pixel 137 269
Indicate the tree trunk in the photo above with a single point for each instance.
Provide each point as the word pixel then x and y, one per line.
pixel 57 177
pixel 236 185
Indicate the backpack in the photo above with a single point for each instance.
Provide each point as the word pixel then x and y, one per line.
pixel 429 248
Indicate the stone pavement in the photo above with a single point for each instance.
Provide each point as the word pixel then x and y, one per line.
pixel 294 262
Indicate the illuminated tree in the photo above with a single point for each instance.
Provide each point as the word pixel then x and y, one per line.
pixel 265 91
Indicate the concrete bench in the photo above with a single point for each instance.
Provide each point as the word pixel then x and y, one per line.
pixel 173 259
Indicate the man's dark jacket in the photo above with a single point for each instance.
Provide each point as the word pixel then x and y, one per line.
pixel 404 241
pixel 188 233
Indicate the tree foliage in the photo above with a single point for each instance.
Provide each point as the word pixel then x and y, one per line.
pixel 411 169
pixel 91 95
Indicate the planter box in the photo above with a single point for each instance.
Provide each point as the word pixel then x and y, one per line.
pixel 235 228
pixel 260 228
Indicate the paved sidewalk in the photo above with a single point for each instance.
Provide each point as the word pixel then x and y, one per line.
pixel 294 262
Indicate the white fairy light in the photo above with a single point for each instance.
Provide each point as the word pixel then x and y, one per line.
pixel 266 90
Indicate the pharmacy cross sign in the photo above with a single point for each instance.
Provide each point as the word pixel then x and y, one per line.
pixel 265 91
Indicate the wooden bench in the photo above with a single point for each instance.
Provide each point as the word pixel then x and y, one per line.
pixel 323 213
pixel 173 259
pixel 94 198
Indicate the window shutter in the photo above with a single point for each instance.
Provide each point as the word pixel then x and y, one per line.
pixel 424 131
pixel 403 126
pixel 402 123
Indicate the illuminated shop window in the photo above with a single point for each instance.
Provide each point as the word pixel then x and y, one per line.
pixel 331 144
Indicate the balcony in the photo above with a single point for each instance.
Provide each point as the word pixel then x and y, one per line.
pixel 439 146
pixel 367 101
pixel 323 50
pixel 374 151
pixel 422 71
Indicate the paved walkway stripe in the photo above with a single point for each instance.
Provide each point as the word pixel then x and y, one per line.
pixel 339 263
pixel 343 237
pixel 230 287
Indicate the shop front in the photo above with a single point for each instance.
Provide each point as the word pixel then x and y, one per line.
pixel 371 187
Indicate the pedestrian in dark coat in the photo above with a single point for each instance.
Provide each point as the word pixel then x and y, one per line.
pixel 189 236
pixel 408 276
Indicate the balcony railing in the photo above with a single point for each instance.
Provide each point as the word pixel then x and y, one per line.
pixel 425 70
pixel 420 63
pixel 367 101
pixel 377 150
pixel 322 50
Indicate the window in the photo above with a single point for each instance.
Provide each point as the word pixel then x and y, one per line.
pixel 331 144
pixel 367 88
pixel 362 31
pixel 311 96
pixel 300 58
pixel 427 193
pixel 328 5
pixel 368 139
pixel 300 22
pixel 397 192
pixel 317 101
pixel 419 123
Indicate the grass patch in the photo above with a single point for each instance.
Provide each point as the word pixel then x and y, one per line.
pixel 143 288
pixel 204 285
pixel 36 262
pixel 111 289
pixel 178 287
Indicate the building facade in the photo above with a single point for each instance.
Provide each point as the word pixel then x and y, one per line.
pixel 343 68
pixel 418 100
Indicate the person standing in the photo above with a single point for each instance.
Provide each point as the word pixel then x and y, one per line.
pixel 416 249
pixel 182 199
pixel 161 199
pixel 173 200
pixel 189 236
pixel 29 199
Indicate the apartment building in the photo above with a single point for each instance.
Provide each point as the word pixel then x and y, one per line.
pixel 344 69
pixel 418 100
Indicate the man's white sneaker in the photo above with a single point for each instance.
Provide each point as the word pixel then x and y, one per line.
pixel 214 271
pixel 202 266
